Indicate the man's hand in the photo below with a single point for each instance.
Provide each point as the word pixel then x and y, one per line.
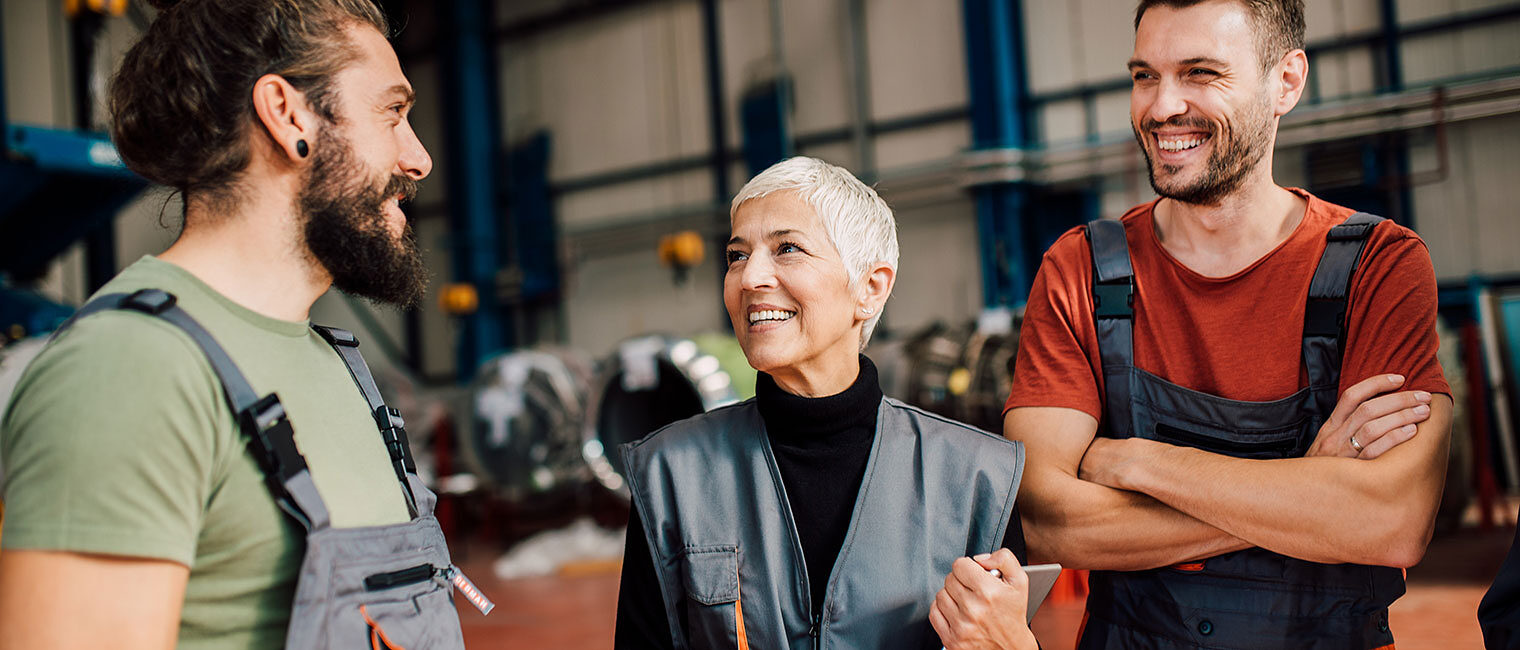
pixel 978 611
pixel 1108 460
pixel 1378 422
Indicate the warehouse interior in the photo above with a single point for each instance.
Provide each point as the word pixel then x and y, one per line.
pixel 585 155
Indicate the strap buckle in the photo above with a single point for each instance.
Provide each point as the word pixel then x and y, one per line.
pixel 393 432
pixel 149 301
pixel 272 440
pixel 335 336
pixel 1114 299
pixel 1350 232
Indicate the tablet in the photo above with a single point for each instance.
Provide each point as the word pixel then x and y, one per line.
pixel 1041 578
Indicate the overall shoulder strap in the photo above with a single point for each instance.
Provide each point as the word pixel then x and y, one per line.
pixel 1325 312
pixel 392 427
pixel 1113 291
pixel 271 439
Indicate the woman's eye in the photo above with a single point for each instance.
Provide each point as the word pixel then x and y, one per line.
pixel 788 248
pixel 734 256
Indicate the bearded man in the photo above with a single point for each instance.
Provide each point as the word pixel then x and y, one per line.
pixel 142 512
pixel 1230 397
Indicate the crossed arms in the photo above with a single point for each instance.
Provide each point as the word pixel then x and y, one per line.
pixel 1138 504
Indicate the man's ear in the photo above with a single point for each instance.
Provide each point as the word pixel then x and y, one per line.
pixel 874 290
pixel 1292 77
pixel 285 116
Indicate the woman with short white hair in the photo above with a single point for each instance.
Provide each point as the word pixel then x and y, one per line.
pixel 819 514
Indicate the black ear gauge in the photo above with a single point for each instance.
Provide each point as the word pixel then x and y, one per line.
pixel 302 149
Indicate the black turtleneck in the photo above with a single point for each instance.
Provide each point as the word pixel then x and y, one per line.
pixel 821 446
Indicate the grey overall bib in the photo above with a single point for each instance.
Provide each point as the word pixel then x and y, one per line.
pixel 378 587
pixel 729 559
pixel 1252 598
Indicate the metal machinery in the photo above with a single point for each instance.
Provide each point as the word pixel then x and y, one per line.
pixel 528 410
pixel 652 381
pixel 57 187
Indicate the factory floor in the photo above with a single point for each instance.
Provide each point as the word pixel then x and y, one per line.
pixel 576 609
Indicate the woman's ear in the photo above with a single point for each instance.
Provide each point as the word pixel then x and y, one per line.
pixel 285 116
pixel 875 288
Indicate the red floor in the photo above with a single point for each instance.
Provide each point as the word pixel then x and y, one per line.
pixel 578 612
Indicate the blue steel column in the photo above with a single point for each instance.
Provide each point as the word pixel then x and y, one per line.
pixel 999 100
pixel 471 134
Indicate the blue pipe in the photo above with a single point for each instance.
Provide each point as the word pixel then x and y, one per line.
pixel 999 111
pixel 471 134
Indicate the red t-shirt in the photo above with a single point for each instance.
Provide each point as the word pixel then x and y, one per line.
pixel 1237 337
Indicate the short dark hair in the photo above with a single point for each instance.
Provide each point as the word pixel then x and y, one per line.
pixel 1279 24
pixel 180 102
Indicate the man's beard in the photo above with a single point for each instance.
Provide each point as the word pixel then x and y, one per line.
pixel 1231 161
pixel 346 232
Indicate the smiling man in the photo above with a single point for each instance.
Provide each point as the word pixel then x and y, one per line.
pixel 142 511
pixel 1230 397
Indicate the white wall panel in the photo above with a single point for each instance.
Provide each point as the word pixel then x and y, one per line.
pixel 817 56
pixel 1063 122
pixel 613 203
pixel 1055 52
pixel 1105 41
pixel 1113 113
pixel 1342 74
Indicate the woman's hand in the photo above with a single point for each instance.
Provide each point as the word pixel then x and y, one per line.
pixel 976 610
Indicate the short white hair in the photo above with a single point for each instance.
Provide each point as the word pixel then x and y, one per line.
pixel 857 221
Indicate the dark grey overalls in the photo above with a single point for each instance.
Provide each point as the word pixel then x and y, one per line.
pixel 1252 598
pixel 374 587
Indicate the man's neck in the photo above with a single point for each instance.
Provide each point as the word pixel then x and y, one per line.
pixel 254 256
pixel 1223 239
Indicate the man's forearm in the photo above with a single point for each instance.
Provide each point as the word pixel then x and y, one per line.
pixel 1083 525
pixel 1318 509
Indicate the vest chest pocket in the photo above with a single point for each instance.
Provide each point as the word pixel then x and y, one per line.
pixel 714 612
pixel 393 603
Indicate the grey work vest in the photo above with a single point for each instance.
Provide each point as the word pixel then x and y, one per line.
pixel 726 550
pixel 375 587
pixel 1252 598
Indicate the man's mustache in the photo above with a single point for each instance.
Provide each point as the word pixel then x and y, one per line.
pixel 402 186
pixel 1183 121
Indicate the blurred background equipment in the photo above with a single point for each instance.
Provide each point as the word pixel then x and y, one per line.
pixel 573 137
pixel 652 381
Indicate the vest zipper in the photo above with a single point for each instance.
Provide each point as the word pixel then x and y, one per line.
pixel 816 631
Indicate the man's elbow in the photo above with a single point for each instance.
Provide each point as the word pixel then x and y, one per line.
pixel 1404 544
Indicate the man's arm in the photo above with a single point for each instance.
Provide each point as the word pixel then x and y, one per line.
pixel 1085 525
pixel 1322 509
pixel 72 600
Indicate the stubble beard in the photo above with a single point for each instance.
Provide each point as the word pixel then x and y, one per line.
pixel 345 230
pixel 1236 153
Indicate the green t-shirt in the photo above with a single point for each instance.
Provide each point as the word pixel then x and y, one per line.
pixel 118 441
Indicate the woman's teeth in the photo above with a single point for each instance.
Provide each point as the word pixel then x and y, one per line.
pixel 770 315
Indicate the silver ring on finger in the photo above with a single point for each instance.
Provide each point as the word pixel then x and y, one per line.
pixel 1356 445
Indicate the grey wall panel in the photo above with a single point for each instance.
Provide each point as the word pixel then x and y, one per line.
pixel 1420 10
pixel 1050 40
pixel 917 56
pixel 1346 73
pixel 1113 114
pixel 1471 50
pixel 425 122
pixel 1328 19
pixel 939 276
pixel 1063 122
pixel 37 68
pixel 1123 191
pixel 613 90
pixel 624 201
pixel 1469 219
pixel 918 146
pixel 1105 41
pixel 817 56
pixel 439 330
pixel 614 297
